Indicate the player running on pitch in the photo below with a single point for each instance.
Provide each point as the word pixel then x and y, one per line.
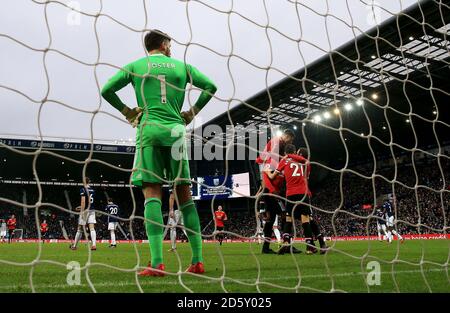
pixel 113 212
pixel 160 83
pixel 175 219
pixel 87 215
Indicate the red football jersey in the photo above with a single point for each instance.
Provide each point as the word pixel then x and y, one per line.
pixel 296 172
pixel 271 154
pixel 220 216
pixel 44 227
pixel 11 223
pixel 273 185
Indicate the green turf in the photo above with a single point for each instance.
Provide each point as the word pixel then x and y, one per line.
pixel 242 265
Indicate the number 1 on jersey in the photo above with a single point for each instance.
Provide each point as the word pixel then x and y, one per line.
pixel 162 79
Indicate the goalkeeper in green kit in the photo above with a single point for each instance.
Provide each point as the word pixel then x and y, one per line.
pixel 159 83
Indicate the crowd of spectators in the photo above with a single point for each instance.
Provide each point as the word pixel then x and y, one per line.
pixel 422 199
pixel 342 204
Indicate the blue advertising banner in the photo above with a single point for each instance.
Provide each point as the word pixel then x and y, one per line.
pixel 67 146
pixel 220 187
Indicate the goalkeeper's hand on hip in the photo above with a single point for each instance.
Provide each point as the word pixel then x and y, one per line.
pixel 188 116
pixel 133 115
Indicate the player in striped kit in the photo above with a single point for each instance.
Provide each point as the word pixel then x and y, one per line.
pixel 87 215
pixel 2 230
pixel 276 227
pixel 113 212
pixel 381 224
pixel 390 218
pixel 175 219
pixel 260 226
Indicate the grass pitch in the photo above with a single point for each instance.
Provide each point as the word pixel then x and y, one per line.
pixel 415 266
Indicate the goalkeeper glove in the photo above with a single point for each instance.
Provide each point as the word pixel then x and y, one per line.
pixel 133 115
pixel 188 116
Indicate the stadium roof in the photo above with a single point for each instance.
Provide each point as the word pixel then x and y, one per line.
pixel 394 79
pixel 64 161
pixel 405 62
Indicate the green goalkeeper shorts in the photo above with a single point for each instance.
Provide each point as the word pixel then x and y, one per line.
pixel 157 164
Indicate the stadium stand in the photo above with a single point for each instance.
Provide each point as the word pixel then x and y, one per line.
pixel 336 220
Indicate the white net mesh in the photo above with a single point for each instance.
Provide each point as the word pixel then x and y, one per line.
pixel 371 113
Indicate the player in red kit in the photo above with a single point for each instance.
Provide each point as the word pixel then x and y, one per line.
pixel 273 152
pixel 303 152
pixel 11 224
pixel 273 206
pixel 220 216
pixel 296 170
pixel 44 230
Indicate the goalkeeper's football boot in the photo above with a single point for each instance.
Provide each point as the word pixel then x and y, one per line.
pixel 72 247
pixel 153 272
pixel 93 248
pixel 196 268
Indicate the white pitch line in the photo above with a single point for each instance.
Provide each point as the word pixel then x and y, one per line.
pixel 231 280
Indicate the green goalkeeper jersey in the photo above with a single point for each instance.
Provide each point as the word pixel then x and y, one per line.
pixel 159 83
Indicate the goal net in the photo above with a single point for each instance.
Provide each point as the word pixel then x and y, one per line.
pixel 361 85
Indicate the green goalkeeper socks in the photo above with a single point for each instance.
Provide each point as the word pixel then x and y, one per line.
pixel 192 224
pixel 155 232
